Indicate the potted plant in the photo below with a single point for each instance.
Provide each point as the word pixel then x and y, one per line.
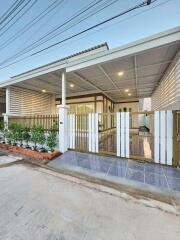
pixel 8 136
pixel 52 138
pixel 34 136
pixel 19 132
pixel 26 136
pixel 41 139
pixel 3 131
pixel 13 129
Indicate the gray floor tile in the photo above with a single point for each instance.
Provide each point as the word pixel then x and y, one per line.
pixel 103 168
pixel 135 175
pixel 152 174
pixel 135 165
pixel 152 168
pixel 174 183
pixel 120 163
pixel 156 180
pixel 117 171
pixel 171 172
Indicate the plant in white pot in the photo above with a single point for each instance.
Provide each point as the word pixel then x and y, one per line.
pixel 41 139
pixel 26 137
pixel 52 138
pixel 34 136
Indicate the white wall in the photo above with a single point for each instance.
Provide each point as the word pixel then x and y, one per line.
pixel 167 95
pixel 28 102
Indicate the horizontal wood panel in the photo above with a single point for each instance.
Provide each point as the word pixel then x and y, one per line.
pixel 28 102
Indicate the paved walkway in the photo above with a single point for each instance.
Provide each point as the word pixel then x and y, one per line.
pixel 36 205
pixel 161 177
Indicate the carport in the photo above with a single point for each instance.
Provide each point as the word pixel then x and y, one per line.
pixel 123 74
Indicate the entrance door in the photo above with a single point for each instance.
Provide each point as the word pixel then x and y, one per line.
pixel 176 139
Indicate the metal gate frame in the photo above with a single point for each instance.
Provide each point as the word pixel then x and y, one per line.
pixel 85 133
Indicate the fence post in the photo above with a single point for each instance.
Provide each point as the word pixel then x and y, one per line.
pixel 122 134
pixel 163 128
pixel 71 131
pixel 93 130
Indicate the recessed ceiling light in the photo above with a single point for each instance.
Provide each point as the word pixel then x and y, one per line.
pixel 120 73
pixel 71 85
pixel 126 90
pixel 44 90
pixel 129 94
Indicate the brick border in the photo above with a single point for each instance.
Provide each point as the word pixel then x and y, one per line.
pixel 29 152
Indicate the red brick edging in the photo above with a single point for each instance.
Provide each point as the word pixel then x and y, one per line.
pixel 30 153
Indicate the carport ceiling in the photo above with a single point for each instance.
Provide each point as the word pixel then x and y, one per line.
pixel 141 74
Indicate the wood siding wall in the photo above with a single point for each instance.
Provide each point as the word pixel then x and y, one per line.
pixel 167 95
pixel 28 102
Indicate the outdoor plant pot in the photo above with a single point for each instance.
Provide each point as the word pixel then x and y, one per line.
pixel 42 149
pixel 26 146
pixel 14 144
pixel 34 148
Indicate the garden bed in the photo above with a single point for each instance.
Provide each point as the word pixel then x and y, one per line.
pixel 30 153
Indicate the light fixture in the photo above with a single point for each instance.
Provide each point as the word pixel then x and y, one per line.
pixel 71 85
pixel 129 94
pixel 120 73
pixel 126 90
pixel 44 90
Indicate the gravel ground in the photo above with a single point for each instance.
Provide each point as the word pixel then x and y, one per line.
pixel 35 205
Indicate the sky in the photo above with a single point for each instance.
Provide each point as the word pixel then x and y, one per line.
pixel 158 17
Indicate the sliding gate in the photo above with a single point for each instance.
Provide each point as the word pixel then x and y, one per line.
pixel 144 136
pixel 176 138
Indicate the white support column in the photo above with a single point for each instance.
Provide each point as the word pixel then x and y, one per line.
pixel 63 88
pixel 63 131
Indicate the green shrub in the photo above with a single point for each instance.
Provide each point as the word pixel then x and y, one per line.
pixel 41 137
pixel 3 130
pixel 19 132
pixel 8 136
pixel 37 135
pixel 26 136
pixel 13 136
pixel 52 138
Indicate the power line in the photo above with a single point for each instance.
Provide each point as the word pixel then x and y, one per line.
pixel 9 9
pixel 27 10
pixel 87 7
pixel 12 11
pixel 92 27
pixel 30 24
pixel 40 16
pixel 15 14
pixel 86 36
pixel 30 47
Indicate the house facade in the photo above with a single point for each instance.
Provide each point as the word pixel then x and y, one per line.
pixel 97 98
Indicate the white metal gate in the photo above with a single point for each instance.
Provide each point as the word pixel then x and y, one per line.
pixel 87 131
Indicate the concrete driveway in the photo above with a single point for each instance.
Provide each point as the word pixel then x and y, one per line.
pixel 36 204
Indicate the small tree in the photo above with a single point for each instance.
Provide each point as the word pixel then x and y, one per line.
pixel 41 137
pixel 52 138
pixel 19 132
pixel 13 129
pixel 3 131
pixel 8 136
pixel 35 135
pixel 26 136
